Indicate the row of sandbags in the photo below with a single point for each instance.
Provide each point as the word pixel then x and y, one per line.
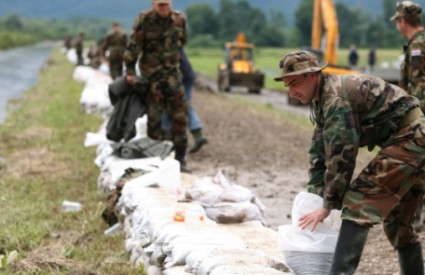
pixel 167 228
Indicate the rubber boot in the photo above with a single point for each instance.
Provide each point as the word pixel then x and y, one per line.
pixel 199 140
pixel 410 259
pixel 351 241
pixel 180 153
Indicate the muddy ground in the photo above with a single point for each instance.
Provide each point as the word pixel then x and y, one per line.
pixel 267 153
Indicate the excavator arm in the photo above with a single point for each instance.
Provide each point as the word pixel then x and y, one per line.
pixel 324 14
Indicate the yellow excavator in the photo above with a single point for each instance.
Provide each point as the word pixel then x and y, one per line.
pixel 325 17
pixel 238 69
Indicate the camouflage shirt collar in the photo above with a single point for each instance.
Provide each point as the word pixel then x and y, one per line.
pixel 416 35
pixel 156 17
pixel 315 108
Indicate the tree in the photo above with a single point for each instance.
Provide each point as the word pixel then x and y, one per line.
pixel 13 23
pixel 353 24
pixel 202 20
pixel 303 21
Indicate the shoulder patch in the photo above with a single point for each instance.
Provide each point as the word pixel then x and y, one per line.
pixel 415 52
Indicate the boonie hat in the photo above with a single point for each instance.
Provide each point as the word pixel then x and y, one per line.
pixel 299 62
pixel 406 8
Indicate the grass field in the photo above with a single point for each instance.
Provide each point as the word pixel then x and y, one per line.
pixel 42 141
pixel 206 61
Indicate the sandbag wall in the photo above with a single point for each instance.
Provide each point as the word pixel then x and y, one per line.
pixel 167 231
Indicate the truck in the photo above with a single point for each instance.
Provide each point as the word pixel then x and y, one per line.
pixel 238 68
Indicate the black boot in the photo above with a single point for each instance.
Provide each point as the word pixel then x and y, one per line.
pixel 180 153
pixel 351 241
pixel 199 140
pixel 410 259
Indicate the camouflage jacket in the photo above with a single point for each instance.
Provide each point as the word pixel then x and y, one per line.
pixel 412 71
pixel 159 41
pixel 116 43
pixel 352 111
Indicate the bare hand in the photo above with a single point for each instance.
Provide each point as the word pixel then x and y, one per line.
pixel 315 217
pixel 130 79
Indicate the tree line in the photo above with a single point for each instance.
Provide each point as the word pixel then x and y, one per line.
pixel 211 28
pixel 16 31
pixel 208 27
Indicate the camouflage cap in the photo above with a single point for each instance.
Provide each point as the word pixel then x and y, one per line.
pixel 299 62
pixel 406 8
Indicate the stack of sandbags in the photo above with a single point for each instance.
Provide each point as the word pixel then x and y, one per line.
pixel 226 202
pixel 168 236
pixel 158 172
pixel 94 97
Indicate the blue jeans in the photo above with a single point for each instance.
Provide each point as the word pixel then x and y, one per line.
pixel 193 119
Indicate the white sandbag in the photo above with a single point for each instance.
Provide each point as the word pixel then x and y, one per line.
pixel 141 128
pixel 71 55
pixel 246 269
pixel 175 270
pixel 94 139
pixel 245 257
pixel 104 68
pixel 94 97
pixel 83 73
pixel 227 212
pixel 164 173
pixel 308 263
pixel 308 252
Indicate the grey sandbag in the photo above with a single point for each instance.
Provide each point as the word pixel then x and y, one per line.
pixel 308 263
pixel 142 148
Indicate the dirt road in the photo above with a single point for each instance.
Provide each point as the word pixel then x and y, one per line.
pixel 267 153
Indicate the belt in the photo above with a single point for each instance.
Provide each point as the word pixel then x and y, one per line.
pixel 411 116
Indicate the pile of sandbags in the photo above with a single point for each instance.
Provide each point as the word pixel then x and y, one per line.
pixel 94 97
pixel 170 235
pixel 226 202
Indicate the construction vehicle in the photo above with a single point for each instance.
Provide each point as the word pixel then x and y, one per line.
pixel 325 18
pixel 238 69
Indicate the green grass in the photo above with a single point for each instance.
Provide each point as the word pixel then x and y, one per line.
pixel 206 61
pixel 42 141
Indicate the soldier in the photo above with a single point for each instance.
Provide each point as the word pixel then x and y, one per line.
pixel 78 45
pixel 194 123
pixel 409 23
pixel 159 34
pixel 412 72
pixel 116 42
pixel 352 111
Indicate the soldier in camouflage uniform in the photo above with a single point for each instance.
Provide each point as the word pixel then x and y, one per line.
pixel 78 45
pixel 412 72
pixel 116 43
pixel 350 112
pixel 159 34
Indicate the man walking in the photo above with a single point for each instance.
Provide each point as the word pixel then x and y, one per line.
pixel 116 43
pixel 159 34
pixel 194 123
pixel 350 112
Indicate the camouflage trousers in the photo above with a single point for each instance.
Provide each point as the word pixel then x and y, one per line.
pixel 391 187
pixel 115 67
pixel 167 96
